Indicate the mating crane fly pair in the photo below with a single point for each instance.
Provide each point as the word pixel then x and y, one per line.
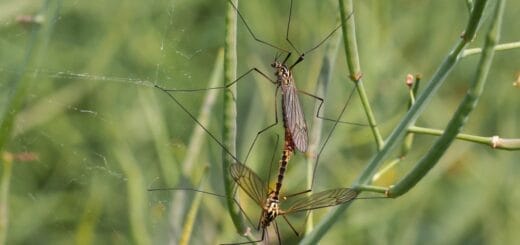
pixel 296 137
pixel 269 200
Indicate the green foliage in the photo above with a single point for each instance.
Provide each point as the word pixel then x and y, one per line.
pixel 85 134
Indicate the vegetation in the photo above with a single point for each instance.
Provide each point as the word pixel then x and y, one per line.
pixel 84 134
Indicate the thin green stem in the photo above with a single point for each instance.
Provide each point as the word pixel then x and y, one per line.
pixel 422 100
pixel 409 137
pixel 386 168
pixel 371 188
pixel 38 42
pixel 348 27
pixel 500 47
pixel 21 85
pixel 230 114
pixel 7 165
pixel 137 200
pixel 461 115
pixel 494 141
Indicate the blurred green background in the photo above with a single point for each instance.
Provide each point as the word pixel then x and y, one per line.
pixel 93 136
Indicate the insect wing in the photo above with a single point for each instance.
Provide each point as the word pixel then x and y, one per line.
pixel 293 116
pixel 249 182
pixel 322 199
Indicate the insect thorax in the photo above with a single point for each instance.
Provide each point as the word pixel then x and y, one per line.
pixel 282 73
pixel 271 210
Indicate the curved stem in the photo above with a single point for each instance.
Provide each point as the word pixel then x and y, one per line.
pixel 348 27
pixel 461 115
pixel 422 100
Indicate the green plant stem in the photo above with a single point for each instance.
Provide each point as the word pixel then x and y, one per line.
pixel 386 168
pixel 495 141
pixel 500 47
pixel 371 188
pixel 230 114
pixel 461 115
pixel 7 165
pixel 348 27
pixel 92 211
pixel 192 214
pixel 422 100
pixel 137 200
pixel 408 138
pixel 21 85
pixel 15 102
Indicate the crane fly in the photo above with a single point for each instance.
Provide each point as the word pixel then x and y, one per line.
pixel 292 113
pixel 293 119
pixel 271 205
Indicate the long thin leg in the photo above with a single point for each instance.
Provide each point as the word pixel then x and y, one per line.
pixel 323 40
pixel 326 37
pixel 277 232
pixel 320 106
pixel 225 86
pixel 317 45
pixel 290 225
pixel 248 242
pixel 272 162
pixel 197 122
pixel 287 31
pixel 169 92
pixel 252 33
pixel 329 135
pixel 270 126
pixel 208 193
pixel 243 212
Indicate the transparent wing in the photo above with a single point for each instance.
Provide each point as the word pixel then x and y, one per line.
pixel 293 116
pixel 322 199
pixel 249 182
